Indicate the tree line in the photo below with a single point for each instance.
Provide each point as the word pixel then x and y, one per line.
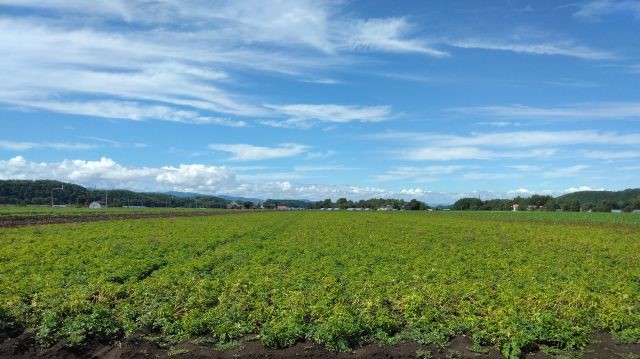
pixel 566 203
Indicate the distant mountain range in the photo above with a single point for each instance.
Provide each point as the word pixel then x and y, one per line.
pixel 229 198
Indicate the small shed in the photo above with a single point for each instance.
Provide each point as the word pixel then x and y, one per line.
pixel 97 205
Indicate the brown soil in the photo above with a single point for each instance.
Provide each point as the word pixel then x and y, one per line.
pixel 19 221
pixel 23 346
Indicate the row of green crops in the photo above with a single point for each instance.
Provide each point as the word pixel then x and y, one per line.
pixel 339 279
pixel 47 211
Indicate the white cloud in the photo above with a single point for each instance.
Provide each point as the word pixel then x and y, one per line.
pixel 525 168
pixel 499 123
pixel 612 155
pixel 520 192
pixel 388 35
pixel 172 61
pixel 16 146
pixel 414 192
pixel 548 48
pixel 270 177
pixel 490 176
pixel 469 153
pixel 320 155
pixel 107 173
pixel 520 139
pixel 593 110
pixel 595 10
pixel 246 152
pixel 416 174
pixel 304 115
pixel 205 179
pixel 570 171
pixel 582 188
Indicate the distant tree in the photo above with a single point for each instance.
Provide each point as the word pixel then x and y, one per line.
pixel 415 205
pixel 464 204
pixel 571 205
pixel 551 205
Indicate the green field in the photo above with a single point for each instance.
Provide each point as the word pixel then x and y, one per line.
pixel 341 279
pixel 29 211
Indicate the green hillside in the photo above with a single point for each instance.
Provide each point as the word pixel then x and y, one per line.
pixel 23 192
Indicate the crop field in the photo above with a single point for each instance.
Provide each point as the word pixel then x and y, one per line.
pixel 510 281
pixel 24 211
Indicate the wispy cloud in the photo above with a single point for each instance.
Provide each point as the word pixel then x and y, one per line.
pixel 595 10
pixel 388 35
pixel 590 110
pixel 305 115
pixel 566 48
pixel 612 155
pixel 519 139
pixel 416 174
pixel 246 152
pixel 153 67
pixel 566 171
pixel 17 146
pixel 470 153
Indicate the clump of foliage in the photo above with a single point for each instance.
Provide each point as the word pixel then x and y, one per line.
pixel 510 281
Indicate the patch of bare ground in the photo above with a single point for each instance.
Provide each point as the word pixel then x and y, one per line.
pixel 23 345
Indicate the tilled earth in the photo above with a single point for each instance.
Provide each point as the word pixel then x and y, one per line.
pixel 22 345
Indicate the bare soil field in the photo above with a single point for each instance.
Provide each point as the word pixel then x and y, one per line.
pixel 20 345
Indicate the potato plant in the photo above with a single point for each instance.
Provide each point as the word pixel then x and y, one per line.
pixel 510 281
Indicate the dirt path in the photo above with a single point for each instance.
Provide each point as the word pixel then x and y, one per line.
pixel 20 221
pixel 22 346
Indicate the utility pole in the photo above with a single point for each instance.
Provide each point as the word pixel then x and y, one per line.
pixel 53 189
pixel 106 199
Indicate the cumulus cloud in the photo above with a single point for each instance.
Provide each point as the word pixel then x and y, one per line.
pixel 414 191
pixel 245 152
pixel 107 173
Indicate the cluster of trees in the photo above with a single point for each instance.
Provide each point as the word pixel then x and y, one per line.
pixel 373 203
pixel 567 203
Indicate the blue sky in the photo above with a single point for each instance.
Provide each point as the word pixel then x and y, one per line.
pixel 323 99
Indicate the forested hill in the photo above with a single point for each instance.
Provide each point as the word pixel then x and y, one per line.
pixel 40 192
pixel 599 201
pixel 599 196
